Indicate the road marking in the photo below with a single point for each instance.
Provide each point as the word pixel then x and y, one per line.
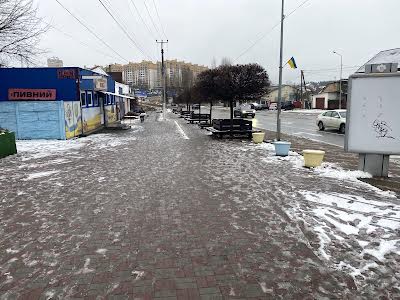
pixel 183 134
pixel 313 134
pixel 308 129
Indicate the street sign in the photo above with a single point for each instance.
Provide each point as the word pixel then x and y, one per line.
pixel 31 94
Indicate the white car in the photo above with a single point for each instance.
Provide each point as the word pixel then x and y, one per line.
pixel 273 106
pixel 332 119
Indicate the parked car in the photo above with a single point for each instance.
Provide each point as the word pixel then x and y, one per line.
pixel 273 106
pixel 257 106
pixel 244 111
pixel 333 119
pixel 264 105
pixel 287 105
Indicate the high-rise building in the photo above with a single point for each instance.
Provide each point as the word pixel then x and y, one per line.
pixel 147 75
pixel 54 62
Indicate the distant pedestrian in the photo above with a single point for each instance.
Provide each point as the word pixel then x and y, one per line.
pixel 142 115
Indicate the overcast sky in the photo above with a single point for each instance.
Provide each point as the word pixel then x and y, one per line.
pixel 200 30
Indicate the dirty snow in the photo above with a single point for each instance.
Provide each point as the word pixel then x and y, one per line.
pixel 42 148
pixel 41 174
pixel 101 251
pixel 373 224
pixel 138 275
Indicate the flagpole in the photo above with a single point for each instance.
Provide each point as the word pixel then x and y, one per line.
pixel 278 117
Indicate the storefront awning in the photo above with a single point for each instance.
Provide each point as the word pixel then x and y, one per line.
pixel 117 95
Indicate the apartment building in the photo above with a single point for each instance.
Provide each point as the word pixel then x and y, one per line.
pixel 147 75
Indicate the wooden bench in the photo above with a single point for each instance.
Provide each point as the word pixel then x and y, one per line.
pixel 198 118
pixel 185 113
pixel 203 125
pixel 241 127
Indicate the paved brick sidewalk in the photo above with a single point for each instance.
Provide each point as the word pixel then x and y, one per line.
pixel 149 214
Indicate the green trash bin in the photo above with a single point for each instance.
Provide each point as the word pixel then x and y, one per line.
pixel 7 143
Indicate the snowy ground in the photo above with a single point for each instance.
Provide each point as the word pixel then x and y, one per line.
pixel 306 111
pixel 364 228
pixel 163 209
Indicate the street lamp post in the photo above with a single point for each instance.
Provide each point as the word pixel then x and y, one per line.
pixel 340 82
pixel 278 118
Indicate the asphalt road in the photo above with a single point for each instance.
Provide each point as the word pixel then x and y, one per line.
pixel 294 123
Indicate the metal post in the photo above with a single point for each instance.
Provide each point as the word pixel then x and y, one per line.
pixel 162 42
pixel 278 118
pixel 163 76
pixel 340 81
pixel 301 89
pixel 341 71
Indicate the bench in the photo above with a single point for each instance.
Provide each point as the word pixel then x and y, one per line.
pixel 185 113
pixel 197 118
pixel 203 125
pixel 221 127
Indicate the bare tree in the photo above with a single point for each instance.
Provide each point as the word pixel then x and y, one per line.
pixel 226 61
pixel 187 77
pixel 20 31
pixel 213 63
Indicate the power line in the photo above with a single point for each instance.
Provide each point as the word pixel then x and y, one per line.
pixel 268 32
pixel 151 18
pixel 124 30
pixel 159 19
pixel 126 27
pixel 79 41
pixel 91 31
pixel 141 18
pixel 331 70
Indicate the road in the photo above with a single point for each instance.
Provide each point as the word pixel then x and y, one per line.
pixel 294 123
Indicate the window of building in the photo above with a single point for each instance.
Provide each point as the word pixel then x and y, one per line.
pixel 109 99
pixel 89 98
pixel 83 98
pixel 113 99
pixel 96 100
pixel 105 100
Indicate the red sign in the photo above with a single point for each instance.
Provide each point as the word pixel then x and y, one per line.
pixel 66 74
pixel 31 94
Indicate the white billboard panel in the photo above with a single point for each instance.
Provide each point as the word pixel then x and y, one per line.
pixel 373 116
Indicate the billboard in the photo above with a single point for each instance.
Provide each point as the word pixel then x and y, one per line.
pixel 373 114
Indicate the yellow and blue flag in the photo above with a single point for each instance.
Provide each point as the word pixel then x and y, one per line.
pixel 292 63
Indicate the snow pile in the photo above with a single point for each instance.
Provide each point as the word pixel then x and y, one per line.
pixel 42 148
pixel 105 140
pixel 35 149
pixel 40 175
pixel 347 218
pixel 305 111
pixel 331 170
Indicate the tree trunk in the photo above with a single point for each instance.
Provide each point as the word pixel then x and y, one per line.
pixel 210 112
pixel 231 108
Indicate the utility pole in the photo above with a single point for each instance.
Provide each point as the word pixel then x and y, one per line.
pixel 301 89
pixel 340 82
pixel 278 118
pixel 162 42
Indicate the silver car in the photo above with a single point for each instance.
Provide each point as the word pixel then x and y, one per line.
pixel 244 111
pixel 332 119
